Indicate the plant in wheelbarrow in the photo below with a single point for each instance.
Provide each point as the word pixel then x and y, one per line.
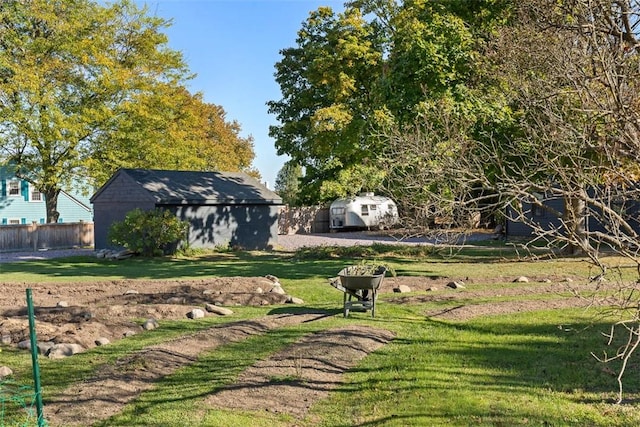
pixel 360 284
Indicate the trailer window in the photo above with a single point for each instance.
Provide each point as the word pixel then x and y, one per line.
pixel 337 211
pixel 373 207
pixel 365 210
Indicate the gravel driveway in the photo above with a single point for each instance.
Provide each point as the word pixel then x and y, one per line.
pixel 289 242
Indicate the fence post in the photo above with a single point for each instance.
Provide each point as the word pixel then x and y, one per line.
pixel 33 230
pixel 34 358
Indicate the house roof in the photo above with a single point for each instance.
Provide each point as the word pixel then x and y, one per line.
pixel 193 187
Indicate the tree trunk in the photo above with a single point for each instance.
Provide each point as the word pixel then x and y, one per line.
pixel 51 201
pixel 575 218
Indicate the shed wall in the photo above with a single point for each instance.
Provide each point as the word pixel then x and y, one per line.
pixel 546 219
pixel 106 213
pixel 244 226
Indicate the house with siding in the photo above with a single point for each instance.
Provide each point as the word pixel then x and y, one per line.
pixel 22 203
pixel 222 208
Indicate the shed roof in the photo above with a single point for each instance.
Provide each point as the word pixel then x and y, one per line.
pixel 199 188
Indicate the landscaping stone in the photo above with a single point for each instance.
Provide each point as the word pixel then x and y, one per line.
pixel 62 304
pixel 456 285
pixel 521 279
pixel 5 371
pixel 44 347
pixel 431 289
pixel 102 341
pixel 129 333
pixel 150 324
pixel 113 254
pixel 63 350
pixel 294 300
pixel 402 289
pixel 6 339
pixel 277 289
pixel 24 345
pixel 176 300
pixel 131 292
pixel 259 290
pixel 221 311
pixel 196 313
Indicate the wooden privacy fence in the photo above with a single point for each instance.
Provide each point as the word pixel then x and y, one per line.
pixel 32 237
pixel 303 220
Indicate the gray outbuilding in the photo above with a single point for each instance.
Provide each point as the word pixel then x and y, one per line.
pixel 222 208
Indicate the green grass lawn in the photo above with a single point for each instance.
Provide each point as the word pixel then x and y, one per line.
pixel 528 368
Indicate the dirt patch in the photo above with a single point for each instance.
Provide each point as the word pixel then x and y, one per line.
pixel 108 309
pixel 113 386
pixel 561 293
pixel 293 379
pixel 288 382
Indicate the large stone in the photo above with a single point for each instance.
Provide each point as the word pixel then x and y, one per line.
pixel 196 313
pixel 102 341
pixel 521 279
pixel 6 339
pixel 221 311
pixel 150 324
pixel 402 289
pixel 62 304
pixel 294 300
pixel 62 350
pixel 44 347
pixel 24 345
pixel 277 289
pixel 456 285
pixel 5 371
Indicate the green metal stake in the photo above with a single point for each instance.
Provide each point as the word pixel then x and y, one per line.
pixel 34 358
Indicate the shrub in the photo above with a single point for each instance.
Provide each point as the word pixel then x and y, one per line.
pixel 149 233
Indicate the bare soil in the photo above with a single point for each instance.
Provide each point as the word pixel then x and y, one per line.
pixel 288 382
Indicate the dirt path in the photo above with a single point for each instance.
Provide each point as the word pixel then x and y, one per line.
pixel 114 386
pixel 293 379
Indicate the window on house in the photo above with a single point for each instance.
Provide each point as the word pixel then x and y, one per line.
pixel 35 195
pixel 13 188
pixel 14 221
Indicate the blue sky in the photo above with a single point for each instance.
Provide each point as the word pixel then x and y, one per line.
pixel 232 46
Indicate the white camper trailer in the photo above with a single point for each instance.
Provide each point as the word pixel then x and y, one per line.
pixel 363 211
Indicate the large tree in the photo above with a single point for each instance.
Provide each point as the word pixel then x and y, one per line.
pixel 328 88
pixel 178 131
pixel 71 74
pixel 379 63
